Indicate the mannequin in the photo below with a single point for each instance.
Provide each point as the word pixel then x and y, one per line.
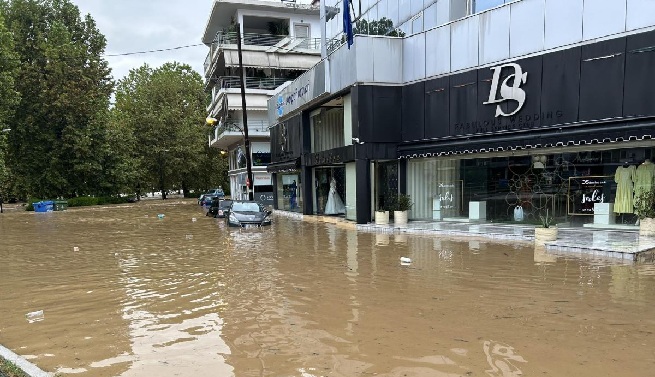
pixel 334 203
pixel 644 177
pixel 624 177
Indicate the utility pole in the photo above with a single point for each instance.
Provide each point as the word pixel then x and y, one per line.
pixel 250 182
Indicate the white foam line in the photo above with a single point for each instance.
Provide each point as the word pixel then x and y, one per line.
pixel 27 367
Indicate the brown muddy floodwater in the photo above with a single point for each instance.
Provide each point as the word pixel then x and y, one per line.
pixel 124 293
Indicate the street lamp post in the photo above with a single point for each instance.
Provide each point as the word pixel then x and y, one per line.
pixel 246 140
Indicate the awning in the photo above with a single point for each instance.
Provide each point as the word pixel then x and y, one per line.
pixel 253 102
pixel 597 134
pixel 276 59
pixel 282 166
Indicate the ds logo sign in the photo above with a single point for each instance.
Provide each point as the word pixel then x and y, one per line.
pixel 507 92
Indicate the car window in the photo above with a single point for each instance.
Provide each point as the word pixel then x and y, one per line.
pixel 225 203
pixel 245 207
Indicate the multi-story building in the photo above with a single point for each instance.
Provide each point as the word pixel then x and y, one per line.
pixel 509 109
pixel 280 40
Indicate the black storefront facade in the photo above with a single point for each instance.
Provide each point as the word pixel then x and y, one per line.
pixel 542 134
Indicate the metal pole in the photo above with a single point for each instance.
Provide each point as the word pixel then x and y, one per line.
pixel 246 140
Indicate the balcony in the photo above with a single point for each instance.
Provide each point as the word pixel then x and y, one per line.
pixel 265 83
pixel 262 44
pixel 232 132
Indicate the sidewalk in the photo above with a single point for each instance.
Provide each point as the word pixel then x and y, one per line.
pixel 624 245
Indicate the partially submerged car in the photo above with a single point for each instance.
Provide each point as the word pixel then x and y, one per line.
pixel 219 207
pixel 214 192
pixel 247 214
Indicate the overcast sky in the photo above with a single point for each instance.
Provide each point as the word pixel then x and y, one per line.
pixel 140 25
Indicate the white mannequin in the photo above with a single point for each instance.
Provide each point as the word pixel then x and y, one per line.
pixel 334 203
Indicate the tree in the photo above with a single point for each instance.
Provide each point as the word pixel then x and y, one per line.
pixel 383 26
pixel 59 124
pixel 165 110
pixel 8 96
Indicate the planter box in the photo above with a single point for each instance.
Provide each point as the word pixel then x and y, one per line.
pixel 542 235
pixel 382 217
pixel 400 217
pixel 647 227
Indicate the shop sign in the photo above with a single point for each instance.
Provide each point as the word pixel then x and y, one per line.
pixel 262 180
pixel 310 85
pixel 584 192
pixel 450 196
pixel 265 198
pixel 513 92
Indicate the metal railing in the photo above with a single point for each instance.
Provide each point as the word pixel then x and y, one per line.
pixel 266 83
pixel 259 126
pixel 268 40
pixel 283 42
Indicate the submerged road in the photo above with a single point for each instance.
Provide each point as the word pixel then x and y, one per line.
pixel 118 291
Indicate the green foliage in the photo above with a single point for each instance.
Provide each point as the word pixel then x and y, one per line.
pixel 546 221
pixel 645 204
pixel 162 111
pixel 403 202
pixel 383 26
pixel 84 201
pixel 9 369
pixel 58 127
pixel 279 27
pixel 9 97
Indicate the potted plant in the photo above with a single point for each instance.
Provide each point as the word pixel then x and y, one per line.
pixel 385 205
pixel 403 203
pixel 546 232
pixel 645 210
pixel 381 216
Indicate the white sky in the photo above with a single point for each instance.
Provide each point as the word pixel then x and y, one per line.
pixel 140 25
pixel 143 25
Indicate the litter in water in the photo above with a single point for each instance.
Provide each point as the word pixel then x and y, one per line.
pixel 36 316
pixel 75 248
pixel 405 260
pixel 193 220
pixel 161 216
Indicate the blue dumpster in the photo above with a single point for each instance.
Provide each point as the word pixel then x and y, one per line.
pixel 44 206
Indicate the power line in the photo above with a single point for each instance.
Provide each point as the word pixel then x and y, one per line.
pixel 150 51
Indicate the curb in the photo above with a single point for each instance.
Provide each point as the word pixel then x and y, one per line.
pixel 27 367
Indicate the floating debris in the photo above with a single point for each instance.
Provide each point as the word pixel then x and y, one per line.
pixel 405 260
pixel 36 316
pixel 160 216
pixel 75 248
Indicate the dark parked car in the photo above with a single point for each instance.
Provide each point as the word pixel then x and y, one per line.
pixel 214 192
pixel 246 214
pixel 219 207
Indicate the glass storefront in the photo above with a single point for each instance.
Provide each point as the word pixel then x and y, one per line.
pixel 330 202
pixel 525 188
pixel 289 191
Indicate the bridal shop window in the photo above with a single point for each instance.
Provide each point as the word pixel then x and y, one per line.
pixel 329 185
pixel 289 195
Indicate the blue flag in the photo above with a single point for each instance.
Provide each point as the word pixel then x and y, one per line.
pixel 347 23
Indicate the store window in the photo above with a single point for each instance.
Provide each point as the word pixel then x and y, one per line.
pixel 289 192
pixel 565 185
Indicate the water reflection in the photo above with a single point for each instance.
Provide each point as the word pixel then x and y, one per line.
pixel 144 296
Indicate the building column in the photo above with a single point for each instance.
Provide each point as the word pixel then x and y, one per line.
pixel 363 184
pixel 274 182
pixel 307 190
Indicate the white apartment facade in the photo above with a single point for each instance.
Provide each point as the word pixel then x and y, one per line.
pixel 280 40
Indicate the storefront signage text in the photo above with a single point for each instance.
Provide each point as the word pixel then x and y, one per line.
pixel 507 92
pixel 513 122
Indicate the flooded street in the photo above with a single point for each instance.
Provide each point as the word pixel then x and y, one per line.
pixel 125 293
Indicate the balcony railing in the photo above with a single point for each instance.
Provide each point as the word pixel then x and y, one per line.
pixel 266 83
pixel 260 126
pixel 283 42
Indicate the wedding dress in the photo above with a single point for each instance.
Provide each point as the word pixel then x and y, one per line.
pixel 334 204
